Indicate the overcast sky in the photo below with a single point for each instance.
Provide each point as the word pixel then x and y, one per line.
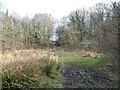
pixel 58 8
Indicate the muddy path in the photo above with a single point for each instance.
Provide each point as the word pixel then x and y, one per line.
pixel 76 76
pixel 87 72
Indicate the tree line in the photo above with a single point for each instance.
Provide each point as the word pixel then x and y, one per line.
pixel 21 33
pixel 99 25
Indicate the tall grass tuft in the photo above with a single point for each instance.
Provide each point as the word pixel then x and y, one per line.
pixel 48 68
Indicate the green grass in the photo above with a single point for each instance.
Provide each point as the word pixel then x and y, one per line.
pixel 82 61
pixel 51 83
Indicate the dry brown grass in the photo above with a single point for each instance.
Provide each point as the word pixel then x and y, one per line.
pixel 10 56
pixel 84 53
pixel 20 61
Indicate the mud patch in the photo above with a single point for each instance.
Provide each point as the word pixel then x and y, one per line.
pixel 84 77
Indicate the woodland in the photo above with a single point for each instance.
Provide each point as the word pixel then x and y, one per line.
pixel 79 51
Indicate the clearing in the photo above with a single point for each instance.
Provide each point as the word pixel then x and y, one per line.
pixel 86 72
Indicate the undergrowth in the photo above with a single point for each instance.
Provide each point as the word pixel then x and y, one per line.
pixel 28 73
